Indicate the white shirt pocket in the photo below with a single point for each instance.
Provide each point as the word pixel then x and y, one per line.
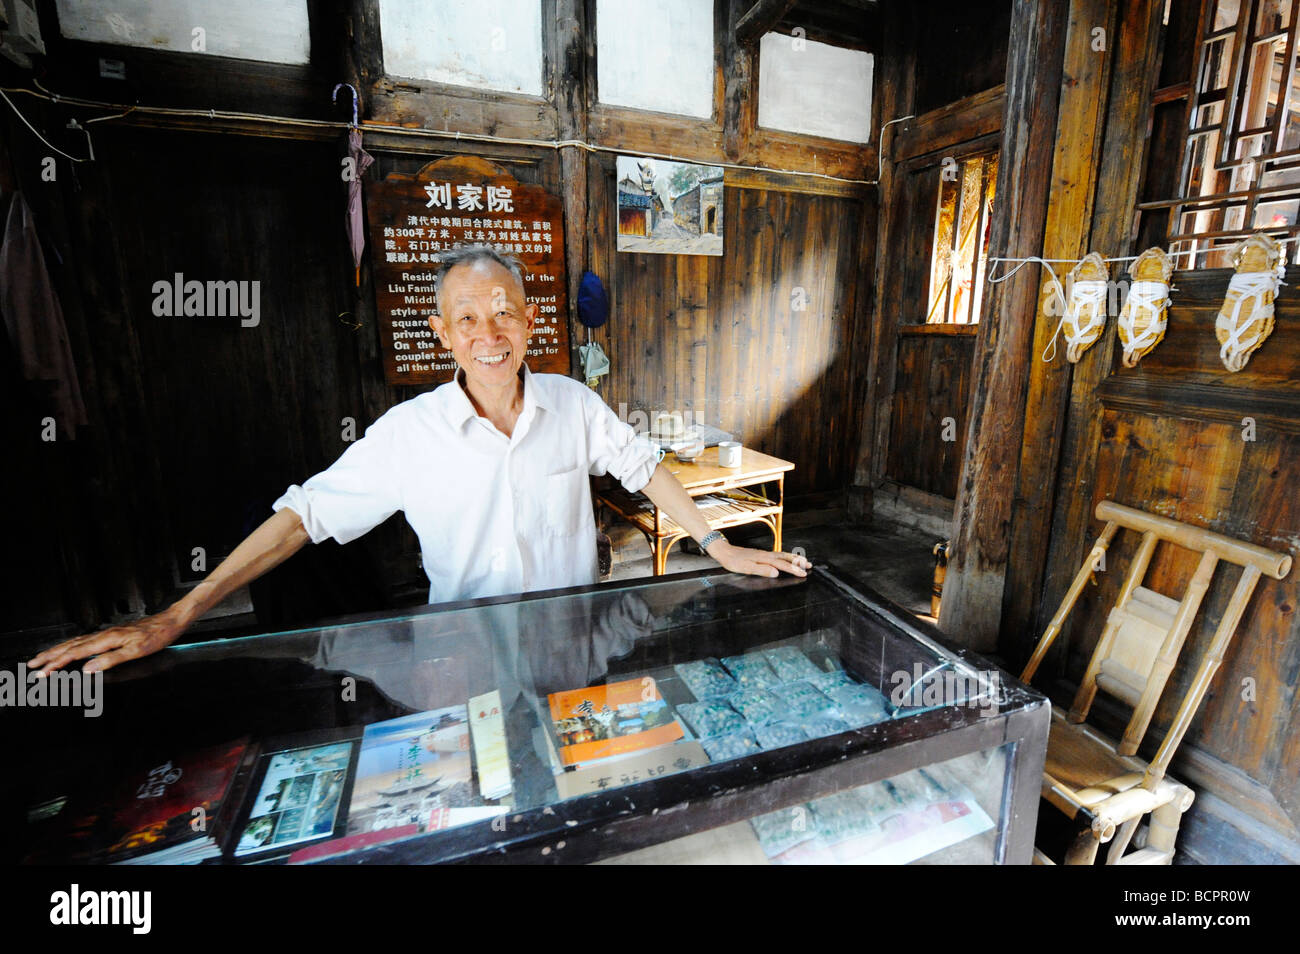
pixel 567 502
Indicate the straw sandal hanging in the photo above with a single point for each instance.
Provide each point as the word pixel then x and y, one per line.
pixel 1144 316
pixel 1085 313
pixel 1246 318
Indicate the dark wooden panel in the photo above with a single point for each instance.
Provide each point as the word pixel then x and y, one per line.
pixel 1191 351
pixel 932 383
pixel 963 50
pixel 957 125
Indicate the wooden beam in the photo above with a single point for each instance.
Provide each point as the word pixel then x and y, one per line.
pixel 740 89
pixel 1081 119
pixel 848 27
pixel 1137 64
pixel 760 18
pixel 802 185
pixel 366 44
pixel 959 122
pixel 877 352
pixel 568 49
pixel 978 559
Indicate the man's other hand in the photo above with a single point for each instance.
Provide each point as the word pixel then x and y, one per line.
pixel 758 562
pixel 114 645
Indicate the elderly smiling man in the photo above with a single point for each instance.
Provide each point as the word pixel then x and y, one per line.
pixel 490 470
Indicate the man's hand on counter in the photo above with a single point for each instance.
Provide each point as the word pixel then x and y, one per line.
pixel 116 644
pixel 278 538
pixel 669 495
pixel 758 562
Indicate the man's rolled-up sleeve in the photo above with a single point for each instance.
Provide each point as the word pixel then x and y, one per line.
pixel 353 495
pixel 615 447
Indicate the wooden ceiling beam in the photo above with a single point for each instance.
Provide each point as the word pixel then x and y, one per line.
pixel 834 31
pixel 760 18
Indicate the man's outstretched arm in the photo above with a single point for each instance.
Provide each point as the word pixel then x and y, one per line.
pixel 667 493
pixel 279 538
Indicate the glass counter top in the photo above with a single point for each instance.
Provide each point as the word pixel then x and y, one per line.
pixel 605 701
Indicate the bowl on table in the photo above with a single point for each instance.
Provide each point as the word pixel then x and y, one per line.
pixel 688 450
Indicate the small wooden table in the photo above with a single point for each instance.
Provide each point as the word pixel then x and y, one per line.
pixel 705 477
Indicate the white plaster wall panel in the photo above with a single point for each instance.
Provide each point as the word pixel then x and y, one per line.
pixel 815 89
pixel 274 31
pixel 656 56
pixel 486 44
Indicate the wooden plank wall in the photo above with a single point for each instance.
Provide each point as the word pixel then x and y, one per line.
pixel 931 384
pixel 759 342
pixel 196 428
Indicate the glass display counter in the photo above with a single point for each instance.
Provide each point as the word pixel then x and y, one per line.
pixel 696 717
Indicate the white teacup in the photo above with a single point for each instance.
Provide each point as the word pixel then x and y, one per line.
pixel 729 454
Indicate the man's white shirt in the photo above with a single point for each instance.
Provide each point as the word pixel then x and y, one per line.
pixel 494 514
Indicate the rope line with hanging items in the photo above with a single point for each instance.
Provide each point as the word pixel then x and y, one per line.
pixel 1260 262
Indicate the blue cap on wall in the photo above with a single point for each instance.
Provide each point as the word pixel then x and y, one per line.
pixel 593 302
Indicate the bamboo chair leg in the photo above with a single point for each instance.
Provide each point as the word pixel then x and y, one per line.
pixel 1163 830
pixel 1201 682
pixel 1088 687
pixel 1071 597
pixel 1122 838
pixel 1084 849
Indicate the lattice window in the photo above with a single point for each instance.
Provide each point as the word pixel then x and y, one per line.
pixel 1241 163
pixel 961 239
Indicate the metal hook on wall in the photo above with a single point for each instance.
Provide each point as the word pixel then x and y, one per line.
pixel 351 89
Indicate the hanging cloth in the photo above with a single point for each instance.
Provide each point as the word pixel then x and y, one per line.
pixel 594 362
pixel 34 319
pixel 1144 317
pixel 1246 318
pixel 593 311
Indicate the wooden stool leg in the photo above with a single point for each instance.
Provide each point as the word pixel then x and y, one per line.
pixel 777 517
pixel 1084 849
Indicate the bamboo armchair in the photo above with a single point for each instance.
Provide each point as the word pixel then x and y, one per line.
pixel 1091 778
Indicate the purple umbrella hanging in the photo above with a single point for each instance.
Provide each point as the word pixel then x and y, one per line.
pixel 360 162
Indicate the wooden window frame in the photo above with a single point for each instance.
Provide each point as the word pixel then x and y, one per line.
pixel 1215 237
pixel 982 223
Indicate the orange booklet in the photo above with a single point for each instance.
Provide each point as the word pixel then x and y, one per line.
pixel 614 719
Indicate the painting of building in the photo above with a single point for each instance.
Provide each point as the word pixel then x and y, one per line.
pixel 669 208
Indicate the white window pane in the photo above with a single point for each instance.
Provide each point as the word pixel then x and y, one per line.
pixel 813 88
pixel 656 56
pixel 274 31
pixel 487 44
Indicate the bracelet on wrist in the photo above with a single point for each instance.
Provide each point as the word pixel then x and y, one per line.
pixel 710 538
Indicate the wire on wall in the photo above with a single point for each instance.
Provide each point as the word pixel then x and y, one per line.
pixel 230 115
